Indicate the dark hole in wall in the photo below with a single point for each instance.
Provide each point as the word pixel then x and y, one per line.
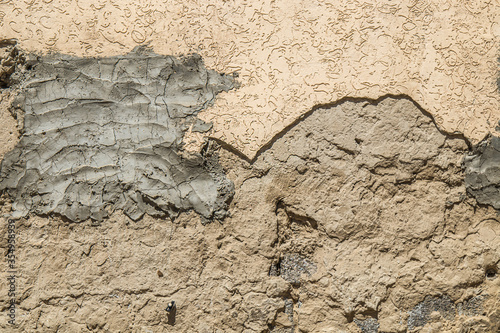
pixel 491 272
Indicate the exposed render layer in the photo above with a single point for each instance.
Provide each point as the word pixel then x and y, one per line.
pixel 363 205
pixel 102 134
pixel 372 194
pixel 294 54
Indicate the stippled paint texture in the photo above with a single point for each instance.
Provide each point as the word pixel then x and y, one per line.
pixel 293 55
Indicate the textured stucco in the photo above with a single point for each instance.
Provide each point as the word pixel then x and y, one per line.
pixel 294 55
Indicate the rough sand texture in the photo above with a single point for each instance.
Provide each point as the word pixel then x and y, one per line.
pixel 352 212
pixel 355 219
pixel 294 55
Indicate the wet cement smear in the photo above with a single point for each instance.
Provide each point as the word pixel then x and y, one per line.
pixel 102 134
pixel 482 172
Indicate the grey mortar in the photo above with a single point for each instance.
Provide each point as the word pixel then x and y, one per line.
pixel 421 313
pixel 472 307
pixel 105 134
pixel 369 325
pixel 292 266
pixel 482 172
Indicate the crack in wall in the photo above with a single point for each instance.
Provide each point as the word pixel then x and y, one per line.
pixel 362 100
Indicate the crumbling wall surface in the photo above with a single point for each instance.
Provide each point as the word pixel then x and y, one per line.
pixel 12 70
pixel 11 62
pixel 373 194
pixel 356 219
pixel 102 134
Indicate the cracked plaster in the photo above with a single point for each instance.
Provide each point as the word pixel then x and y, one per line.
pixel 102 134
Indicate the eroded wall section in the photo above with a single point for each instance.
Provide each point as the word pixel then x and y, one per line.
pixel 354 220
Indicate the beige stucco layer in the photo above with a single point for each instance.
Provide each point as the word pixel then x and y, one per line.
pixel 292 55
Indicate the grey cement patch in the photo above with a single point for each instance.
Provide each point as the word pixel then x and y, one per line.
pixel 102 134
pixel 292 266
pixel 482 172
pixel 472 307
pixel 421 313
pixel 369 325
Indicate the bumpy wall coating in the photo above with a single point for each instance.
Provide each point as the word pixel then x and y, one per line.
pixel 293 55
pixel 102 134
